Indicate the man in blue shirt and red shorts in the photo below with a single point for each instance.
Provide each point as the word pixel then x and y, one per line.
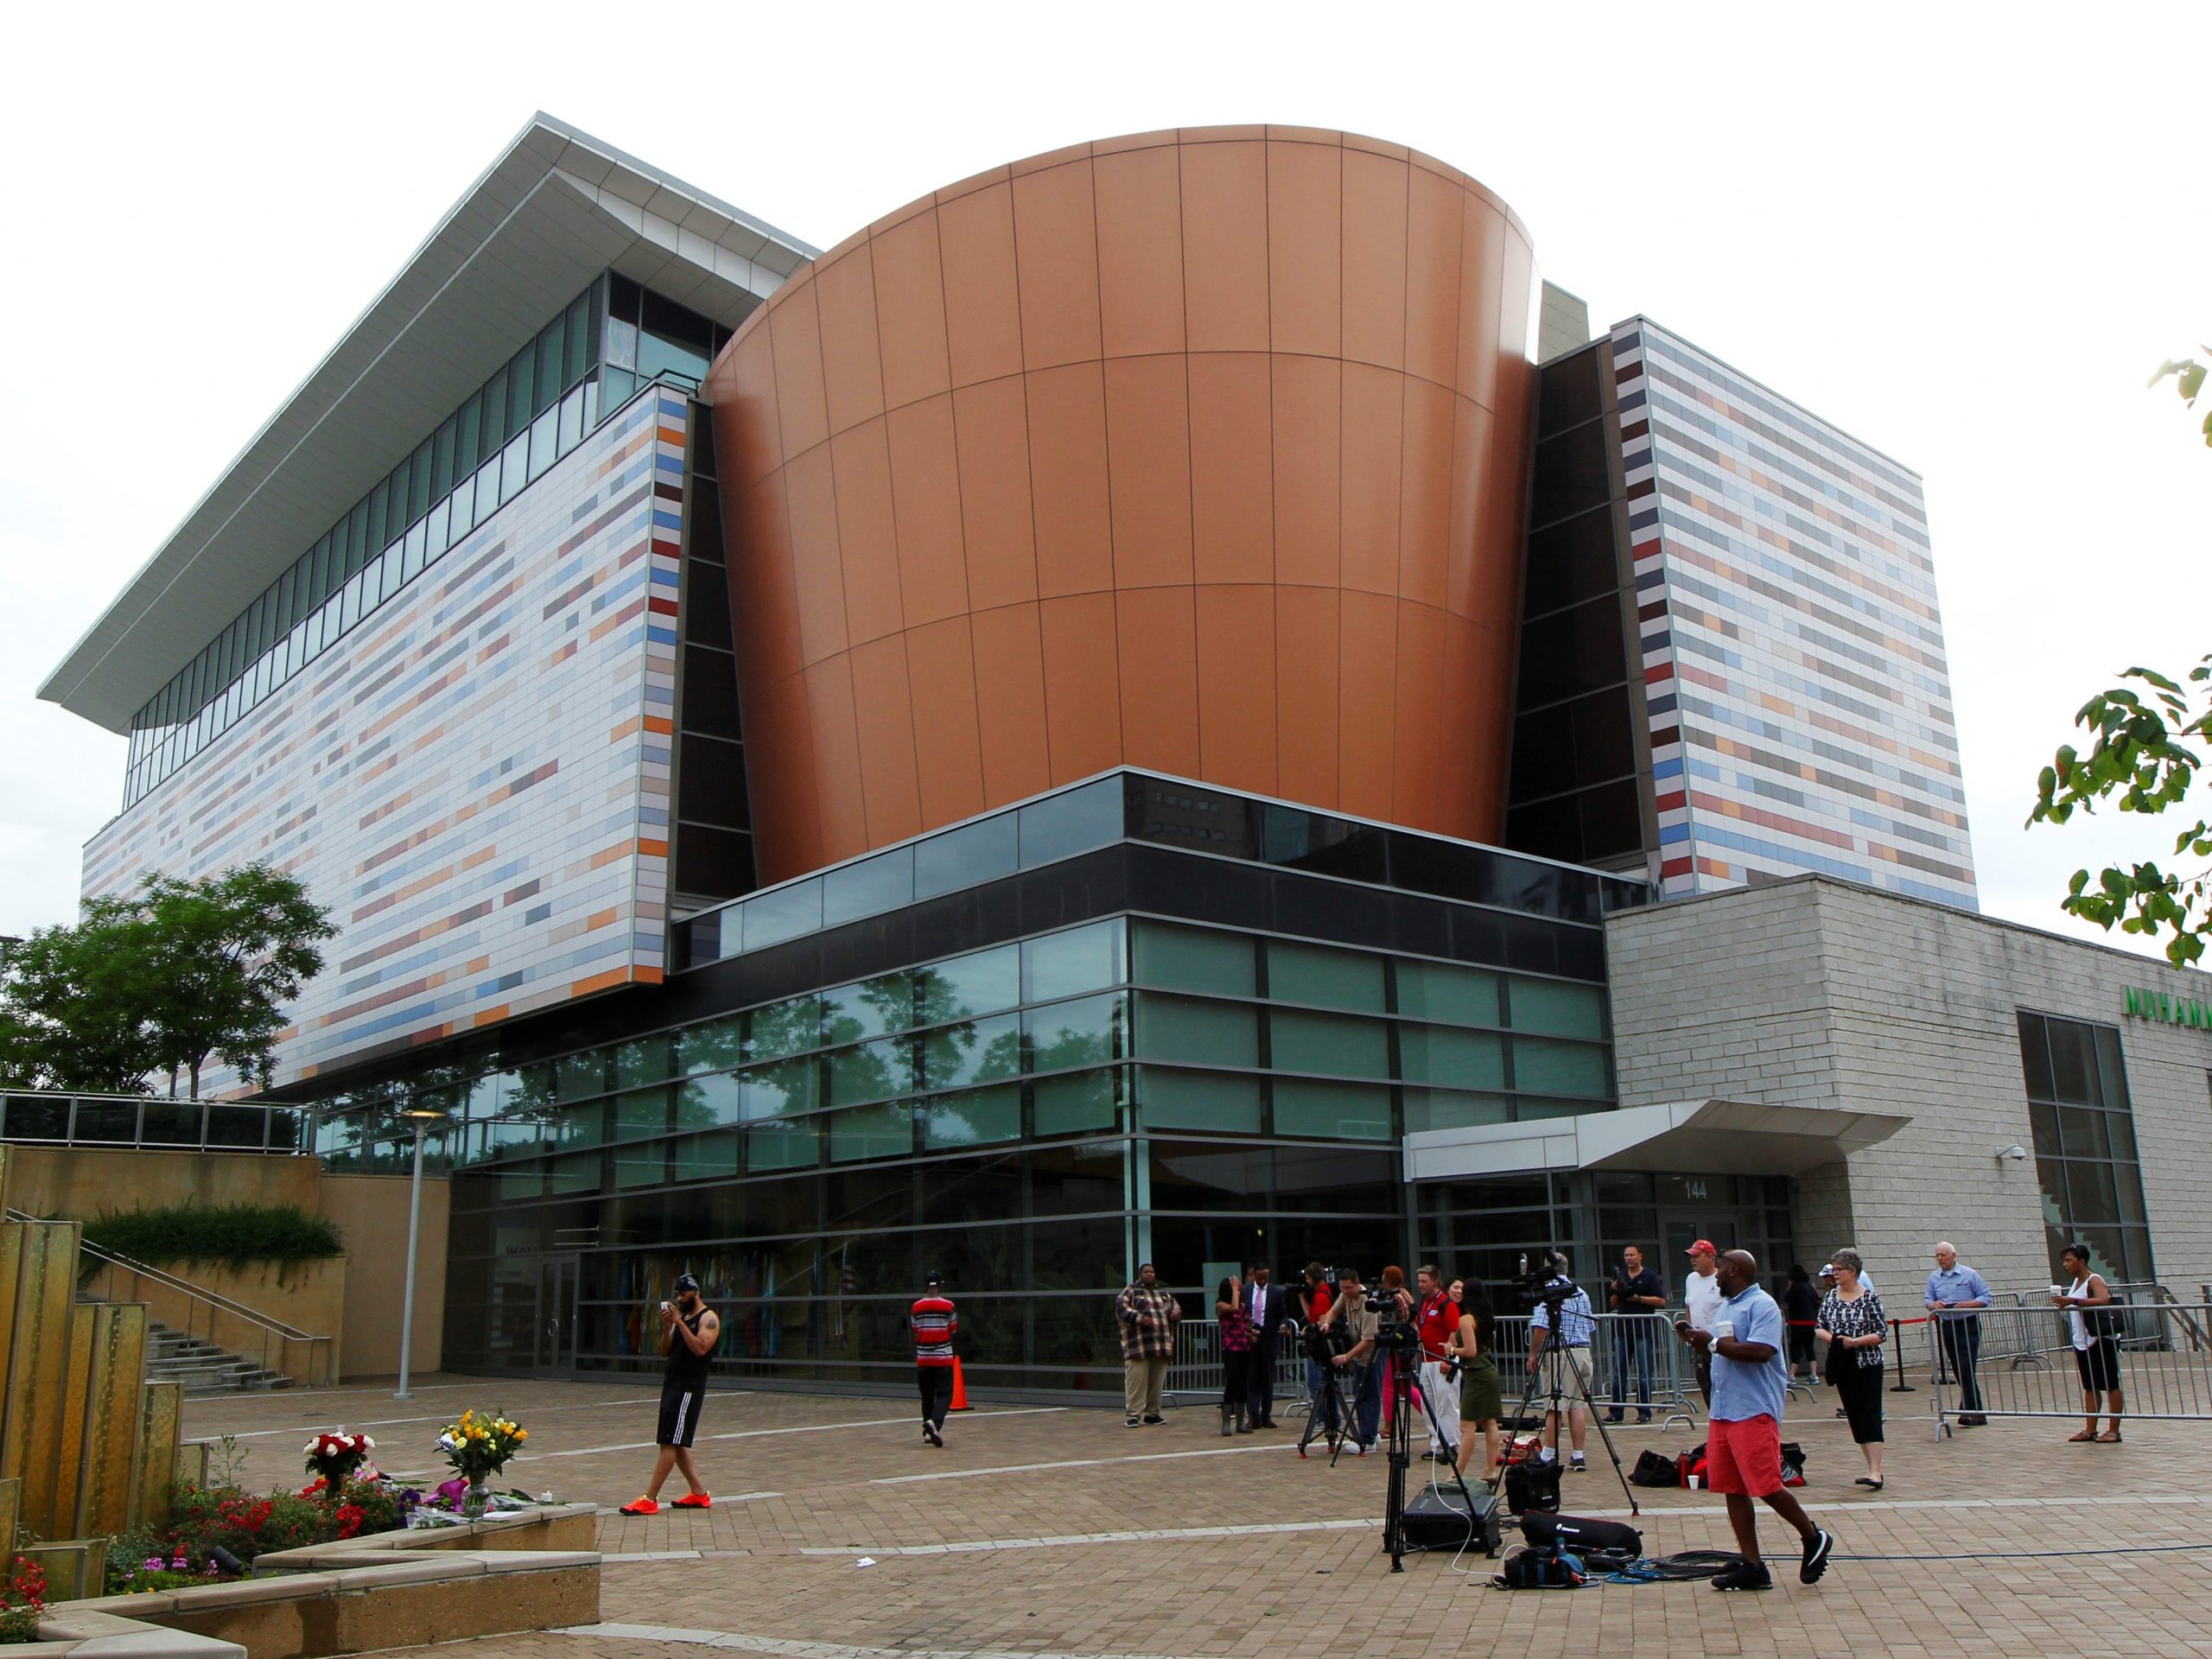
pixel 1743 1448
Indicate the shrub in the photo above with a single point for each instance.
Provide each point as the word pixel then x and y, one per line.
pixel 230 1234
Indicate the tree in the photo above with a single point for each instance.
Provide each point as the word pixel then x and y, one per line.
pixel 231 952
pixel 159 980
pixel 2146 754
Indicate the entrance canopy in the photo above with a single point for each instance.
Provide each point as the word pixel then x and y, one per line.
pixel 1721 1137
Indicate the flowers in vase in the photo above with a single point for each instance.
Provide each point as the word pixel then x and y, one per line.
pixel 479 1444
pixel 334 1458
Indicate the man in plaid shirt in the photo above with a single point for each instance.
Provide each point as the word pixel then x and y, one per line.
pixel 1149 1316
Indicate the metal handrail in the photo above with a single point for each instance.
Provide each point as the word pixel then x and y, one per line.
pixel 213 1300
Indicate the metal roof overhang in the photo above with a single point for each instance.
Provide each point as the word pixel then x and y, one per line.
pixel 555 210
pixel 1720 1137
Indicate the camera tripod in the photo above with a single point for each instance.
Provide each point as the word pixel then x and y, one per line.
pixel 1553 1361
pixel 1328 1413
pixel 1401 1361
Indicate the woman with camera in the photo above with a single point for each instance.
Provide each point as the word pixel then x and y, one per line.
pixel 1482 1400
pixel 1854 1325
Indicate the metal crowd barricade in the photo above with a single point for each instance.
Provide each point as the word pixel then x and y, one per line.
pixel 1674 1375
pixel 1195 1372
pixel 2026 1366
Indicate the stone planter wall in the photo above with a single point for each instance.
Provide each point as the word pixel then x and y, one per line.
pixel 386 1590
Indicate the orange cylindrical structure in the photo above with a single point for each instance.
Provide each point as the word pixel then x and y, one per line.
pixel 1202 451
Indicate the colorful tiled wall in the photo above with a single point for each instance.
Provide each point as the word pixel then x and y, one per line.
pixel 476 780
pixel 1793 652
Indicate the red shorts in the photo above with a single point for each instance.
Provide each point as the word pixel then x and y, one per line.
pixel 1744 1457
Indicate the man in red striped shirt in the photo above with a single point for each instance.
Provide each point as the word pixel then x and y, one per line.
pixel 935 1324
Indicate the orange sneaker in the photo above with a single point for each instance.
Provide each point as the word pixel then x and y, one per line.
pixel 643 1506
pixel 696 1501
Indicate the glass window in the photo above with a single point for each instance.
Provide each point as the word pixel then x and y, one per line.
pixel 1450 1108
pixel 973 1117
pixel 779 1028
pixel 1191 959
pixel 544 433
pixel 869 887
pixel 885 1131
pixel 706 1157
pixel 644 1059
pixel 1080 959
pixel 969 856
pixel 983 983
pixel 708 1101
pixel 1330 1043
pixel 871 1071
pixel 874 1008
pixel 1181 1028
pixel 1062 825
pixel 514 466
pixel 1336 1111
pixel 782 913
pixel 1077 1101
pixel 641 1114
pixel 783 1089
pixel 572 420
pixel 1544 1067
pixel 1459 996
pixel 977 1051
pixel 1457 1059
pixel 1080 1032
pixel 1199 1100
pixel 711 1046
pixel 783 1146
pixel 1555 1009
pixel 1327 978
pixel 487 490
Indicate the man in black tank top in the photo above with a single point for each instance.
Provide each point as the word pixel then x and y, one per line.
pixel 690 1330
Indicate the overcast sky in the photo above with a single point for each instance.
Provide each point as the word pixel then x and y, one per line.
pixel 1965 234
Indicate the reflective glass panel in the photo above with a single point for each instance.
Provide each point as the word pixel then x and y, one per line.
pixel 1191 959
pixel 1080 959
pixel 1330 1043
pixel 983 983
pixel 1199 1100
pixel 1336 1111
pixel 1183 1028
pixel 1324 977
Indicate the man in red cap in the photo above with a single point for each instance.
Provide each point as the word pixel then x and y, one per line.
pixel 1702 1300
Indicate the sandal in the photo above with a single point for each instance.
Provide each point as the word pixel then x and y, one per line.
pixel 2110 1437
pixel 2085 1434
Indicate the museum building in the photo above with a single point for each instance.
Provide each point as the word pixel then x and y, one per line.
pixel 1168 701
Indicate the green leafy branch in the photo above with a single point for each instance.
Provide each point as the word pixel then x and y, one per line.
pixel 2144 759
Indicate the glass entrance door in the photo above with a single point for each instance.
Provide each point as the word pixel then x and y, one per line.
pixel 557 1315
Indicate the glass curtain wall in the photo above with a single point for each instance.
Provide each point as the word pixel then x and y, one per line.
pixel 2085 1144
pixel 1026 1119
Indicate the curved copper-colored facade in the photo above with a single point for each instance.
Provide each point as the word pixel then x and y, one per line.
pixel 1204 451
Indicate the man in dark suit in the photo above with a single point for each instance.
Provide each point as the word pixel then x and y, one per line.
pixel 1270 1307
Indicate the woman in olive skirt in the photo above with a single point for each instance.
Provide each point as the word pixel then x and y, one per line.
pixel 1481 1401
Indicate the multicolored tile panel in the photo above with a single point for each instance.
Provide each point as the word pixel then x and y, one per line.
pixel 1793 656
pixel 476 780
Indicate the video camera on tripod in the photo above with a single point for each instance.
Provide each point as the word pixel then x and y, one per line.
pixel 1546 1285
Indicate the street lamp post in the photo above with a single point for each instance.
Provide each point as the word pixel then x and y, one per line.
pixel 422 1118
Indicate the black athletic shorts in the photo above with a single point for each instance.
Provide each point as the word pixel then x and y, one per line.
pixel 679 1412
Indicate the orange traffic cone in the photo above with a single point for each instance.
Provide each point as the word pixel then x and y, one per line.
pixel 959 1387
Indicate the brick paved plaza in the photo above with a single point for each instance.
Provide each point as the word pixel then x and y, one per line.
pixel 1061 1532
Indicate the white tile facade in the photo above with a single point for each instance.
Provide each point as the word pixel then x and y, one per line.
pixel 475 781
pixel 1792 650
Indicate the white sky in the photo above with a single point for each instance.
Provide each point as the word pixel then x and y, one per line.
pixel 1965 234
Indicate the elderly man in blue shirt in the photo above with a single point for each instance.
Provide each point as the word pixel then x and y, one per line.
pixel 1956 1296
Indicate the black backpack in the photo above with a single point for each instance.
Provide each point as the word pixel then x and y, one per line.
pixel 1540 1566
pixel 1656 1469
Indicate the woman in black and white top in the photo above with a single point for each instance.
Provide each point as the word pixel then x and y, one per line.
pixel 2087 1303
pixel 1851 1322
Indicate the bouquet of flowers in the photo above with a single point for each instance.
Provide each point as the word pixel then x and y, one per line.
pixel 479 1443
pixel 334 1458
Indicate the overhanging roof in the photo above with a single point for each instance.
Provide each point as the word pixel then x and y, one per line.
pixel 1720 1137
pixel 557 207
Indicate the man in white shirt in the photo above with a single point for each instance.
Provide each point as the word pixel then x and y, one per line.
pixel 1701 1300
